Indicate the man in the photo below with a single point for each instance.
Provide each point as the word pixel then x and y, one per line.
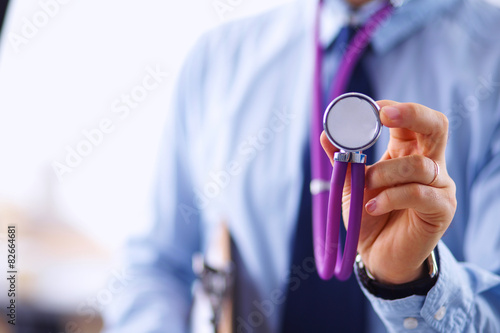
pixel 235 151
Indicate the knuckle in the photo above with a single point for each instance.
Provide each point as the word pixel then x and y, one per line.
pixel 449 204
pixel 451 194
pixel 444 122
pixel 412 109
pixel 407 167
pixel 420 162
pixel 454 203
pixel 417 191
pixel 431 194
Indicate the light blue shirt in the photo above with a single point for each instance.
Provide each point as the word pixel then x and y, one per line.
pixel 233 150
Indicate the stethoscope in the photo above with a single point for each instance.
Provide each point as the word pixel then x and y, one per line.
pixel 352 123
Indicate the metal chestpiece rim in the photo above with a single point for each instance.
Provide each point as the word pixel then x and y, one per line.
pixel 375 109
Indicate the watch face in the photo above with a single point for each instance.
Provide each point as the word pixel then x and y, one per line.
pixel 352 122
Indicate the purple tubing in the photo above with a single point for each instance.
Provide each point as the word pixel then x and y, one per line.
pixel 328 256
pixel 329 259
pixel 343 269
pixel 356 48
pixel 327 253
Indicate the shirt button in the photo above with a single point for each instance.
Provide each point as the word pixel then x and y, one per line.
pixel 410 323
pixel 440 313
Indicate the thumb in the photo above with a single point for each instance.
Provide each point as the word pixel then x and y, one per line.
pixel 328 147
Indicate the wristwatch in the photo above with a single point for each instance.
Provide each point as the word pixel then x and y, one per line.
pixel 418 287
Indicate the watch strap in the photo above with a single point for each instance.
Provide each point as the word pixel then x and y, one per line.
pixel 391 292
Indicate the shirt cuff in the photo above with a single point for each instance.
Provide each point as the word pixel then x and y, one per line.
pixel 443 309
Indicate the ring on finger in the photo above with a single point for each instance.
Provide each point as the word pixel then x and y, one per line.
pixel 436 173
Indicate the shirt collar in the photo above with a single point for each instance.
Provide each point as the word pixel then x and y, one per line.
pixel 405 20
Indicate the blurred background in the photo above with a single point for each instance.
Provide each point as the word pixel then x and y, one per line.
pixel 85 87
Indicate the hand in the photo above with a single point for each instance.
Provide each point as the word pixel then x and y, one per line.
pixel 405 215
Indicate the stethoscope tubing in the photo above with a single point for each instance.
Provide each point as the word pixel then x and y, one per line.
pixel 327 207
pixel 330 255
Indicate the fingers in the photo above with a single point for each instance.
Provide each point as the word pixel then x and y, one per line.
pixel 428 200
pixel 410 121
pixel 329 148
pixel 413 195
pixel 414 117
pixel 403 170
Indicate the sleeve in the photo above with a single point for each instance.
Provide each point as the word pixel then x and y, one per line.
pixel 466 296
pixel 158 295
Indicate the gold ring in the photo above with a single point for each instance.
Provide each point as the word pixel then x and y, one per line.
pixel 436 173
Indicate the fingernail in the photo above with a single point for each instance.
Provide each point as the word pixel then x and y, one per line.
pixel 392 112
pixel 371 206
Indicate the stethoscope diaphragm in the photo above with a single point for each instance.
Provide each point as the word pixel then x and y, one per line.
pixel 352 122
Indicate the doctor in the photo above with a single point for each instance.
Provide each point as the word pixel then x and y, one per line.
pixel 236 150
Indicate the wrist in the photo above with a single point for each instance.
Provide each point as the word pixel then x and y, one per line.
pixel 421 286
pixel 403 277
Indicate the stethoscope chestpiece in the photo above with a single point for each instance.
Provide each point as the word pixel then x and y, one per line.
pixel 352 122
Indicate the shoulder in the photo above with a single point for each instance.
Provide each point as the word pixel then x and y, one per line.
pixel 284 20
pixel 480 19
pixel 255 35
